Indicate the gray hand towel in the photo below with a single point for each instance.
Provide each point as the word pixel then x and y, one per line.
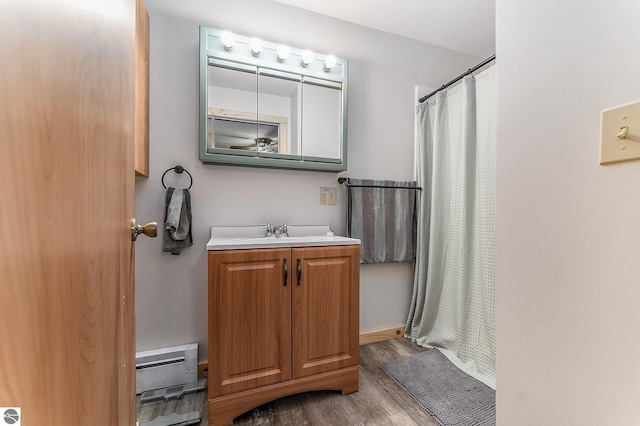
pixel 177 221
pixel 382 215
pixel 172 220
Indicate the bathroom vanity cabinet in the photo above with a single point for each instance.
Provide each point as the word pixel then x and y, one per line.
pixel 281 321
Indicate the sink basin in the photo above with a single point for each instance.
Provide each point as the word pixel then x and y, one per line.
pixel 248 237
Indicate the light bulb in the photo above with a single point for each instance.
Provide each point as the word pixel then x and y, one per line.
pixel 256 46
pixel 307 57
pixel 283 53
pixel 329 62
pixel 228 40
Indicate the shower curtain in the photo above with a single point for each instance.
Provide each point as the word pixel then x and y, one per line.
pixel 453 304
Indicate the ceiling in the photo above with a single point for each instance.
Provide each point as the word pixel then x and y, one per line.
pixel 463 25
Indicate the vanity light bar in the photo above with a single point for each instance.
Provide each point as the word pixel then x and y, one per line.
pixel 238 47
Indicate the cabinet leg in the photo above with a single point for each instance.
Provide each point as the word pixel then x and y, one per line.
pixel 350 388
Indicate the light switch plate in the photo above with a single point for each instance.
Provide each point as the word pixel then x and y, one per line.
pixel 328 196
pixel 615 145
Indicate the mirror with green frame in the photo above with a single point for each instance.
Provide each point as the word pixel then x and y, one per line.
pixel 266 109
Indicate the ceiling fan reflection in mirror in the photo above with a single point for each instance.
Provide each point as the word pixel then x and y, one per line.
pixel 261 145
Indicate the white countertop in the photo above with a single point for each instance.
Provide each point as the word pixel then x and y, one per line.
pixel 254 237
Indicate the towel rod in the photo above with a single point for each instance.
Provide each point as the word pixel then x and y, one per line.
pixel 343 180
pixel 178 169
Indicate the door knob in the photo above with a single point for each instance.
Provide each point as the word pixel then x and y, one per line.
pixel 149 229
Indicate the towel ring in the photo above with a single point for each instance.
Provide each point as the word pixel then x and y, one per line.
pixel 178 169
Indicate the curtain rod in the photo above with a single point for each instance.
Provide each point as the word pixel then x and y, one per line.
pixel 458 78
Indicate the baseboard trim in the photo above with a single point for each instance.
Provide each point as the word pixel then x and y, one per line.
pixel 365 338
pixel 381 335
pixel 203 369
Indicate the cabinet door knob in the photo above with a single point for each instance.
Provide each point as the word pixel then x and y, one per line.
pixel 286 272
pixel 299 271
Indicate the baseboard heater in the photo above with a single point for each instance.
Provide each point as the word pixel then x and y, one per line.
pixel 164 367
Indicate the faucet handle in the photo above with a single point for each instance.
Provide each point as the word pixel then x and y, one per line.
pixel 269 228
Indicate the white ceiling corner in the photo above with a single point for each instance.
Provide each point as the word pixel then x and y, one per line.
pixel 466 26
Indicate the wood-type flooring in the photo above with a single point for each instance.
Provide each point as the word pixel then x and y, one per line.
pixel 378 402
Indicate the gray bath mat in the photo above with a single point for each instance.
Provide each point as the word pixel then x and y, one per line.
pixel 449 395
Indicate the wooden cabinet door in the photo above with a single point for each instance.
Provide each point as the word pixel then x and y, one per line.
pixel 325 295
pixel 249 319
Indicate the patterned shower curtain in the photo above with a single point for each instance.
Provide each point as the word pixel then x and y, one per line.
pixel 453 302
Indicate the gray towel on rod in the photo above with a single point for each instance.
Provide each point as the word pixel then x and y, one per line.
pixel 384 219
pixel 177 221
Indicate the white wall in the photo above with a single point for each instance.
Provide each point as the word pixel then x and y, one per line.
pixel 568 289
pixel 171 298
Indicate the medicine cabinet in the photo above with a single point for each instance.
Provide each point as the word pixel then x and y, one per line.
pixel 267 105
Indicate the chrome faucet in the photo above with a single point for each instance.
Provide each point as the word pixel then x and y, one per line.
pixel 281 231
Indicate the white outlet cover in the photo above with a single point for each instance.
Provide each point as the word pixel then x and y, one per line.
pixel 612 149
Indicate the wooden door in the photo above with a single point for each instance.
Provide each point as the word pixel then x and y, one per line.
pixel 249 319
pixel 66 167
pixel 325 298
